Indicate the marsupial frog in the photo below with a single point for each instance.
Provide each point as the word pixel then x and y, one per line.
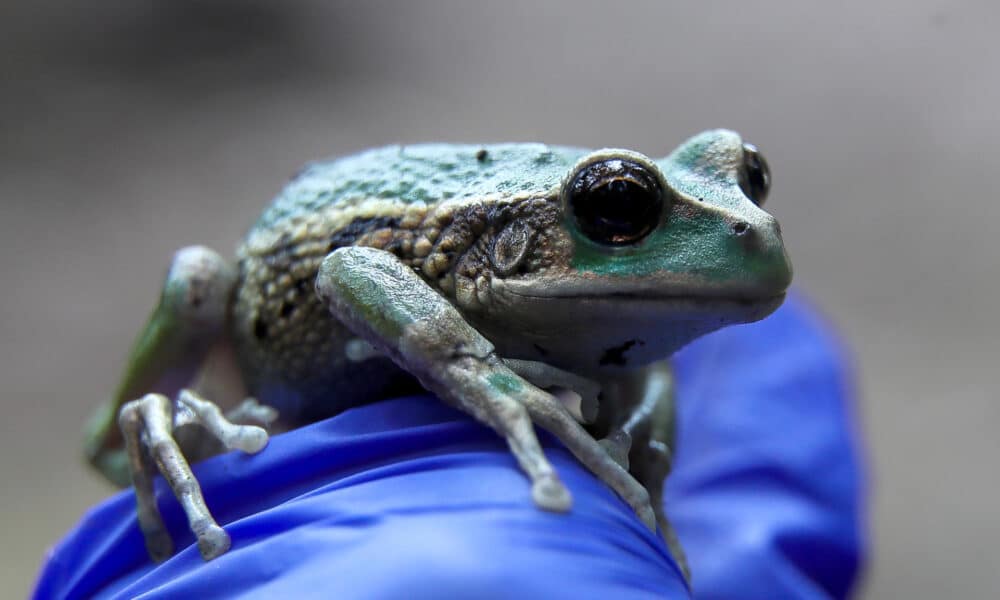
pixel 522 283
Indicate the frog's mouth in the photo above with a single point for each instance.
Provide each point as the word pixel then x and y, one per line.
pixel 690 293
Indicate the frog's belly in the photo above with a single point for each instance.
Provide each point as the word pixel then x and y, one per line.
pixel 292 355
pixel 300 401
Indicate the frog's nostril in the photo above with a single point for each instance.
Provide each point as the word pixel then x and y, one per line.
pixel 740 228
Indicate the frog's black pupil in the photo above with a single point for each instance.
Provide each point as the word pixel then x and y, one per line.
pixel 615 202
pixel 755 177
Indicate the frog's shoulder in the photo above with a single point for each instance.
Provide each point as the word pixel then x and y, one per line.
pixel 422 173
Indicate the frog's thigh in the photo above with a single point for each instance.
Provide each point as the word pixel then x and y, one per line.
pixel 386 303
pixel 188 320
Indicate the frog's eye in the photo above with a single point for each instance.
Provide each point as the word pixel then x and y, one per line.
pixel 754 176
pixel 615 201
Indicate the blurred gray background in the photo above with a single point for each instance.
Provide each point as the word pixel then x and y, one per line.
pixel 129 129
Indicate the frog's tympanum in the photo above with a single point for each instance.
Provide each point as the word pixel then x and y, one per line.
pixel 523 284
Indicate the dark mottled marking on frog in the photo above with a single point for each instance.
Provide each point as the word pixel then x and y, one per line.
pixel 281 258
pixel 395 246
pixel 286 308
pixel 541 350
pixel 346 235
pixel 616 355
pixel 302 285
pixel 259 329
pixel 482 155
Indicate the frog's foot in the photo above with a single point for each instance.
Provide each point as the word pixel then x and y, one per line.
pixel 188 323
pixel 582 401
pixel 550 414
pixel 387 303
pixel 147 425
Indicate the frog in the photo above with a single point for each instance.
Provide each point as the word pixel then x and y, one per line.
pixel 524 284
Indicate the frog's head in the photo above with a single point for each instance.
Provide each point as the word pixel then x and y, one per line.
pixel 642 256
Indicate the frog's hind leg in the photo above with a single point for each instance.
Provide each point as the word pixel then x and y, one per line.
pixel 389 305
pixel 188 320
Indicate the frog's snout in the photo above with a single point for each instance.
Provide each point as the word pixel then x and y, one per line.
pixel 763 251
pixel 755 238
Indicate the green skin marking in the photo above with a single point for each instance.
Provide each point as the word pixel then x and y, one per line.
pixel 505 384
pixel 670 249
pixel 379 309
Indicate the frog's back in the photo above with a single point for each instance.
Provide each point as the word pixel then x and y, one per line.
pixel 423 174
pixel 398 198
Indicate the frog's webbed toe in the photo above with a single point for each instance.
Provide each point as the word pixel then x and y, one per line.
pixel 148 426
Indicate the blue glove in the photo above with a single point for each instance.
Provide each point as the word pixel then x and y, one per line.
pixel 409 498
pixel 768 490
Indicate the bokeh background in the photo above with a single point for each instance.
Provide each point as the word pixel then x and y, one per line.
pixel 129 129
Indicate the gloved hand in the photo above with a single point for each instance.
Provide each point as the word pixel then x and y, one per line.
pixel 408 498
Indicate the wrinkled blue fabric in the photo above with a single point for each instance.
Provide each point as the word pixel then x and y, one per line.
pixel 410 499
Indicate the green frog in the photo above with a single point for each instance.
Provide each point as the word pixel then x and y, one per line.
pixel 524 284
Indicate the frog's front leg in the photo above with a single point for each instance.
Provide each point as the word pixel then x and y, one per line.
pixel 387 303
pixel 645 436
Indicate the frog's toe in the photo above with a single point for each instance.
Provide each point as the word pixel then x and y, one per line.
pixel 248 438
pixel 550 494
pixel 251 439
pixel 648 517
pixel 252 412
pixel 213 541
pixel 617 445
